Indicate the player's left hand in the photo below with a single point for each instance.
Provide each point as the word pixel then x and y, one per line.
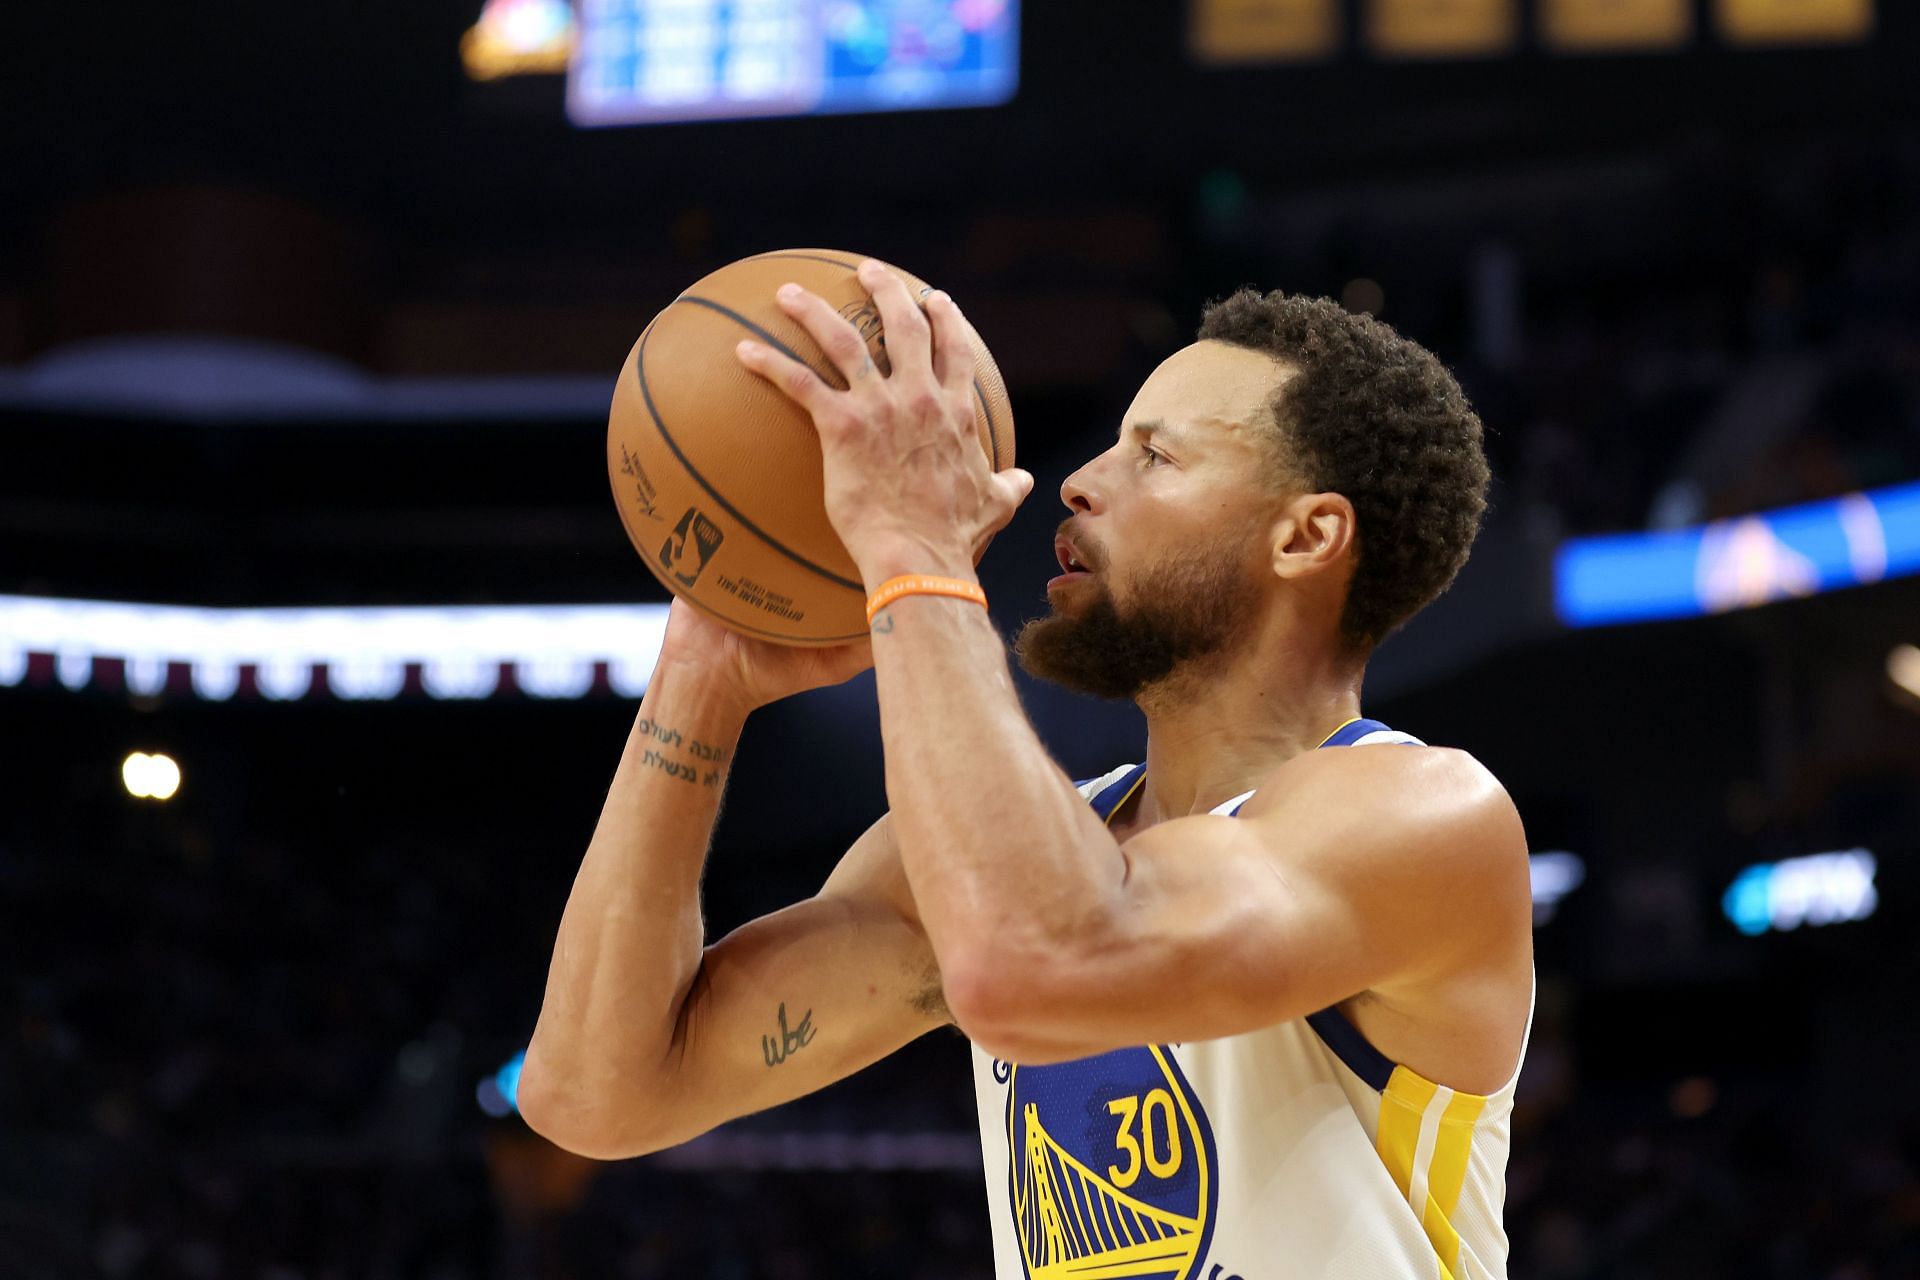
pixel 908 487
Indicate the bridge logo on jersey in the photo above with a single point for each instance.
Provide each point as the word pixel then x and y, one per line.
pixel 1112 1169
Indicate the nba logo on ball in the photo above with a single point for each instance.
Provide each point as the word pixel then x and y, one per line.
pixel 1110 1167
pixel 683 556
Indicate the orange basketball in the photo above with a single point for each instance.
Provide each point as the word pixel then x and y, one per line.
pixel 718 476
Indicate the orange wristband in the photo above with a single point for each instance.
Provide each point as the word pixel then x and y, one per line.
pixel 922 584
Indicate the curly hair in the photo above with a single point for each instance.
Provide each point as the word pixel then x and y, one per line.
pixel 1376 418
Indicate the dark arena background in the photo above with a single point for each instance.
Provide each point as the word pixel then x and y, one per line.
pixel 320 638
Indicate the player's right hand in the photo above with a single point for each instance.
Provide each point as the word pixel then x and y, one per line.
pixel 758 670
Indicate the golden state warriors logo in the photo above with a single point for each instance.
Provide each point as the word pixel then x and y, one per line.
pixel 1112 1169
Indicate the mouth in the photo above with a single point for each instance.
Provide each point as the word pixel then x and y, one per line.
pixel 1069 560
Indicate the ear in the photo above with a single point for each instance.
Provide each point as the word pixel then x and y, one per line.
pixel 1315 532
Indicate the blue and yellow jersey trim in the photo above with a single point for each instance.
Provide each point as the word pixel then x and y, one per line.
pixel 1425 1139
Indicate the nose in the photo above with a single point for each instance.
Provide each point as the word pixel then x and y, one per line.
pixel 1078 491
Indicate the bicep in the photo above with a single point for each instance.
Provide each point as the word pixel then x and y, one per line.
pixel 800 998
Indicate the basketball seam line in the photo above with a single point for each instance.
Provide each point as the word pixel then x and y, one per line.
pixel 756 331
pixel 993 431
pixel 646 394
pixel 806 257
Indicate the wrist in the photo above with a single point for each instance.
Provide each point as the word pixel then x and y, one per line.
pixel 883 560
pixel 701 691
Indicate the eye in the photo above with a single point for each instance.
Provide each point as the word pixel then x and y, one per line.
pixel 1152 453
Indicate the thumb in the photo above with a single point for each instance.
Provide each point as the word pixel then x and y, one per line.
pixel 1020 483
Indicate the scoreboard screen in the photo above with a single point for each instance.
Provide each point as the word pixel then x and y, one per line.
pixel 653 61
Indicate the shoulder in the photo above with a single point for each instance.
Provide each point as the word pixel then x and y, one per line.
pixel 1434 782
pixel 1434 815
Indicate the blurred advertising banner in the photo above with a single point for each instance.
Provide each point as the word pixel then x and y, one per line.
pixel 1794 21
pixel 1607 26
pixel 1442 28
pixel 1228 31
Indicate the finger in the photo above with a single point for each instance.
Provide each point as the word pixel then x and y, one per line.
pixel 1014 486
pixel 952 344
pixel 845 348
pixel 790 377
pixel 909 338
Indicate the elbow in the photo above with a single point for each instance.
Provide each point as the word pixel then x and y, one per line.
pixel 581 1125
pixel 1006 1009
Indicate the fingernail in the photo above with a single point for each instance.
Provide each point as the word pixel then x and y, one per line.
pixel 789 293
pixel 746 347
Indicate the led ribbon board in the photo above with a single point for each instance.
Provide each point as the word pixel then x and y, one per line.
pixel 1614 26
pixel 1223 32
pixel 547 651
pixel 1742 562
pixel 1794 21
pixel 1442 28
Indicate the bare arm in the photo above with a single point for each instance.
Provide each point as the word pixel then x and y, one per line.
pixel 646 1038
pixel 1395 871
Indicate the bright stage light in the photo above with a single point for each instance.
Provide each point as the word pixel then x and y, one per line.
pixel 150 777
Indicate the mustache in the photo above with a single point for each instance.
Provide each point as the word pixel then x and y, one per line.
pixel 1091 553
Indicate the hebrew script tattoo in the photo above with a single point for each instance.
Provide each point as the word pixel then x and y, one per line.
pixel 706 768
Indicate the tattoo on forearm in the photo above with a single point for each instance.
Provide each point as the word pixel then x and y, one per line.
pixel 883 625
pixel 778 1051
pixel 714 758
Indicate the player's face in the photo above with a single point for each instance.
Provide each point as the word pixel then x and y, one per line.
pixel 1171 524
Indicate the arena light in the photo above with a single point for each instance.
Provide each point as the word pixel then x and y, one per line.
pixel 499 1094
pixel 545 651
pixel 150 777
pixel 519 37
pixel 1903 668
pixel 1554 875
pixel 1821 889
pixel 1738 563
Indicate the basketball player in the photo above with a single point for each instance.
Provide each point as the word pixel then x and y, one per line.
pixel 1253 1007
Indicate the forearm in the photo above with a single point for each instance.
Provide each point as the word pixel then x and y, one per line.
pixel 1002 854
pixel 630 940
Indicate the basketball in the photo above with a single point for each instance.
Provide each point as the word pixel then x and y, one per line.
pixel 718 477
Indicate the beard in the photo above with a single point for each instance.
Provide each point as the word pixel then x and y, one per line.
pixel 1192 605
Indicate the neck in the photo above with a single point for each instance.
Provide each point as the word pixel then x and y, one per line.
pixel 1216 733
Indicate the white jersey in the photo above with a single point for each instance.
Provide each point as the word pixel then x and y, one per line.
pixel 1293 1151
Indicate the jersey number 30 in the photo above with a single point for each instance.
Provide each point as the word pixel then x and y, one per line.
pixel 1157 1146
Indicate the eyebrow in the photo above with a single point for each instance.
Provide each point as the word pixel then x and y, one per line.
pixel 1151 427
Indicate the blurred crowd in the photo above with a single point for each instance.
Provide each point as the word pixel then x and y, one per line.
pixel 1782 366
pixel 254 1058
